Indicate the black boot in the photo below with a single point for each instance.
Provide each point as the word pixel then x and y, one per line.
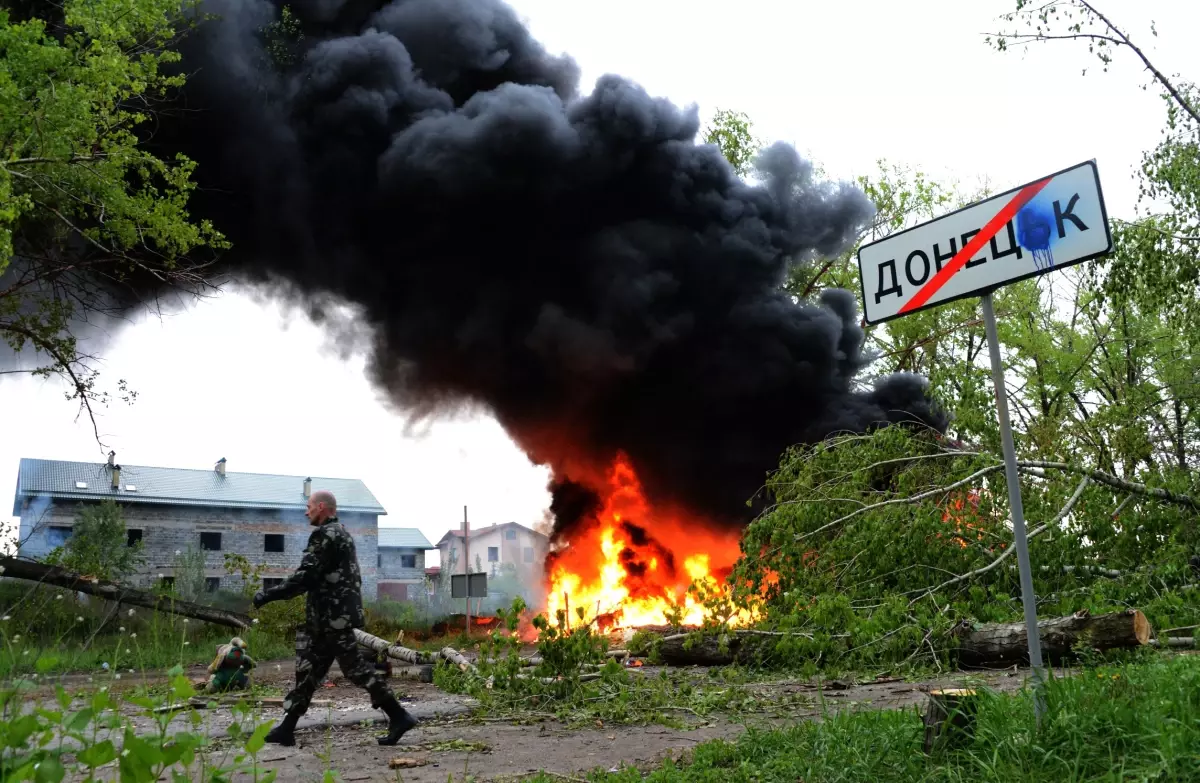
pixel 399 721
pixel 284 733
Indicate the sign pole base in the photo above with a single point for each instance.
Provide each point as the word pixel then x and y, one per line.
pixel 1017 509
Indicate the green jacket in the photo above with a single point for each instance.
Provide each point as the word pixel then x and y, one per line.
pixel 329 576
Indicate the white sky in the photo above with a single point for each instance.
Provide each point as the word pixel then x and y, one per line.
pixel 848 83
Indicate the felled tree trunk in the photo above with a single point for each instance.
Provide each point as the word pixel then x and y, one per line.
pixel 712 650
pixel 1007 643
pixel 377 645
pixel 112 591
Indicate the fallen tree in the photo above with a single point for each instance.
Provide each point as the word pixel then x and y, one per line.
pixel 1007 643
pixel 121 594
pixel 720 649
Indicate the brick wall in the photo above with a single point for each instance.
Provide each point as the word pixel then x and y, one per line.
pixel 398 581
pixel 170 529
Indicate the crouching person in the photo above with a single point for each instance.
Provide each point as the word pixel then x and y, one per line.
pixel 329 578
pixel 230 670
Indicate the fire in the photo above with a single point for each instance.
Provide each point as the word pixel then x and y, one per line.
pixel 632 565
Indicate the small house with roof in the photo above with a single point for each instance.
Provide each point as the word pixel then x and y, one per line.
pixel 213 511
pixel 494 547
pixel 401 562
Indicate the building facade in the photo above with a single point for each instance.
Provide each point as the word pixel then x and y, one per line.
pixel 401 563
pixel 174 512
pixel 509 544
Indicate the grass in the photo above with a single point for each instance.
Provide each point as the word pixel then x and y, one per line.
pixel 1135 722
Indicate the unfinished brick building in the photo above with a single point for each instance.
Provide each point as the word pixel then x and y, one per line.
pixel 214 511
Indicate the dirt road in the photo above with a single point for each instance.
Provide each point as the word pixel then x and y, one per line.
pixel 452 743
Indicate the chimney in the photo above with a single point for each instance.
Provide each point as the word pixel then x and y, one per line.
pixel 221 466
pixel 112 456
pixel 308 487
pixel 116 476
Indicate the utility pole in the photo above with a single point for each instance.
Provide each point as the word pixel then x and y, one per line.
pixel 467 564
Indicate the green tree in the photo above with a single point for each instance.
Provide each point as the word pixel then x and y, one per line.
pixel 87 214
pixel 98 545
pixel 733 133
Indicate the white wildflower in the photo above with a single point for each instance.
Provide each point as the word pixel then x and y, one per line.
pixel 126 650
pixel 6 618
pixel 177 553
pixel 121 629
pixel 185 621
pixel 131 671
pixel 58 597
pixel 79 619
pixel 117 676
pixel 124 753
pixel 133 635
pixel 17 638
pixel 25 652
pixel 255 621
pixel 185 644
pixel 131 613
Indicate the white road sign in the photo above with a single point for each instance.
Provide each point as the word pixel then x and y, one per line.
pixel 1049 224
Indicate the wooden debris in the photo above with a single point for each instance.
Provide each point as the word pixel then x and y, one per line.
pixel 1007 642
pixel 200 703
pixel 950 717
pixel 406 762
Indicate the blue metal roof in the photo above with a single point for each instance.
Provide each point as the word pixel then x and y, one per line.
pixel 61 480
pixel 403 538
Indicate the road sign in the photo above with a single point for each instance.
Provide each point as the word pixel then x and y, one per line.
pixel 1054 222
pixel 1045 225
pixel 477 586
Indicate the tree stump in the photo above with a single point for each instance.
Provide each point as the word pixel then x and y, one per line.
pixel 950 718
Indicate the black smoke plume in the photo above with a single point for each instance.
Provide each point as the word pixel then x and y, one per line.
pixel 578 265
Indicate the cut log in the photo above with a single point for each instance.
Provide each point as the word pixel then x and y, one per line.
pixel 1007 643
pixel 377 645
pixel 684 649
pixel 950 718
pixel 60 577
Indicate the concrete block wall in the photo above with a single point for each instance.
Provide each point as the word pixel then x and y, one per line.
pixel 169 529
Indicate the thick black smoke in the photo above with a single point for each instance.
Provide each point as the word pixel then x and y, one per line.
pixel 578 265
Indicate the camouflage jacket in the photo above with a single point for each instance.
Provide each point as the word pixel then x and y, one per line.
pixel 329 575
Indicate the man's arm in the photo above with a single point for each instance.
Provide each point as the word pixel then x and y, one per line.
pixel 312 567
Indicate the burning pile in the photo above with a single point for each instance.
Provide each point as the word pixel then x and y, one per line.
pixel 629 564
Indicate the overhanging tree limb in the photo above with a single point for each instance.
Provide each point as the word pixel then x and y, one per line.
pixel 112 591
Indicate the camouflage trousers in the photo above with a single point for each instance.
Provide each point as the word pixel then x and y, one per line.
pixel 314 656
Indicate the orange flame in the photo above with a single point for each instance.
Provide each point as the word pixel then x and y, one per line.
pixel 632 564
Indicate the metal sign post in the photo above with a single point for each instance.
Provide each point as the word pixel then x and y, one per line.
pixel 1017 509
pixel 1055 222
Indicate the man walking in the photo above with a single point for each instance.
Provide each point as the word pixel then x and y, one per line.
pixel 329 575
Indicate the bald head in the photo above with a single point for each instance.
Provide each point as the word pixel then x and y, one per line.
pixel 322 505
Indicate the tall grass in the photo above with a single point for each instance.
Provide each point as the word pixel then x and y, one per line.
pixel 1129 723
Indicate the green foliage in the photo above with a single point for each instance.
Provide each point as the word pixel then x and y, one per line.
pixel 79 195
pixel 875 546
pixel 282 38
pixel 32 741
pixel 98 545
pixel 733 133
pixel 279 619
pixel 1128 723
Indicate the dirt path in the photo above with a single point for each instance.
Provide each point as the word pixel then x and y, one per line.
pixel 453 744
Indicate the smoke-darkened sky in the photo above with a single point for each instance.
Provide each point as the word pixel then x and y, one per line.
pixel 578 265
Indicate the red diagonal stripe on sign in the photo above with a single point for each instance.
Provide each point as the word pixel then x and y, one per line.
pixel 960 259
